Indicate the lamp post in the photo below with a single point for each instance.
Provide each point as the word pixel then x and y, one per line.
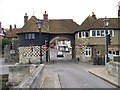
pixel 106 23
pixel 39 24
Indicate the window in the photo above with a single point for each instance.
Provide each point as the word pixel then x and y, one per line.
pixel 110 52
pixel 79 35
pixel 117 53
pixel 114 53
pixel 100 33
pixel 30 36
pixel 88 51
pixel 84 34
pixel 98 52
pixel 87 34
pixel 93 33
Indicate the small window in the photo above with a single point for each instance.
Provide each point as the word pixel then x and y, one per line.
pixel 79 34
pixel 87 35
pixel 113 52
pixel 88 51
pixel 98 33
pixel 33 36
pixel 98 52
pixel 110 52
pixel 30 36
pixel 102 33
pixel 93 33
pixel 26 36
pixel 117 53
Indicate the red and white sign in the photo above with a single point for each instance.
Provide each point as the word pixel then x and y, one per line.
pixel 81 46
pixel 44 47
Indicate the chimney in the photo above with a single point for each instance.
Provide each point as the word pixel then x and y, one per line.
pixel 93 15
pixel 25 18
pixel 14 25
pixel 0 28
pixel 0 25
pixel 119 9
pixel 10 27
pixel 45 17
pixel 119 14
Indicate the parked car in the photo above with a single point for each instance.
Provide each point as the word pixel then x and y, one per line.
pixel 60 54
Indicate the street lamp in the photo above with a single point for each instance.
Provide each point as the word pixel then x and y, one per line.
pixel 39 24
pixel 106 23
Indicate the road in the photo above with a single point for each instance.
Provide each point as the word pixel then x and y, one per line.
pixel 74 75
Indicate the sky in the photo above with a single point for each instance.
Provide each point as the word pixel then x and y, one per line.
pixel 13 11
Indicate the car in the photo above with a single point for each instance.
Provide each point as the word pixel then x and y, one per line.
pixel 60 54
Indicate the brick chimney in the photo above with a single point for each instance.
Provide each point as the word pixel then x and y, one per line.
pixel 119 14
pixel 25 18
pixel 93 15
pixel 0 28
pixel 15 26
pixel 119 9
pixel 10 27
pixel 45 17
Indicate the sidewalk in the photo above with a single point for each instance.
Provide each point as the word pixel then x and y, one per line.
pixel 102 73
pixel 51 80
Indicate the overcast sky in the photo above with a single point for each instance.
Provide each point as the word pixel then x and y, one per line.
pixel 13 11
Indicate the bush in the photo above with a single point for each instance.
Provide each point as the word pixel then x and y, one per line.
pixel 4 42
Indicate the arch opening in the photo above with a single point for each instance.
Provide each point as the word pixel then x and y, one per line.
pixel 60 44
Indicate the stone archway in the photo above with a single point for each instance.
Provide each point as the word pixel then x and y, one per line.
pixel 70 37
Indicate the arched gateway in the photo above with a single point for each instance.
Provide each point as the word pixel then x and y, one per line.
pixel 30 38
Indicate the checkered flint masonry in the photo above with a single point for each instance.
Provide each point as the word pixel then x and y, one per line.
pixel 27 53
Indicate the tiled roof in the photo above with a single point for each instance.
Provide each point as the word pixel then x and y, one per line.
pixel 54 26
pixel 113 23
pixel 88 23
pixel 12 33
pixel 62 26
pixel 30 26
pixel 93 23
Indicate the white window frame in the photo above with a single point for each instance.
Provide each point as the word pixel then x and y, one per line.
pixel 88 50
pixel 79 34
pixel 84 34
pixel 114 53
pixel 101 34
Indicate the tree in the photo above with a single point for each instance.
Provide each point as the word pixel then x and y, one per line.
pixel 5 42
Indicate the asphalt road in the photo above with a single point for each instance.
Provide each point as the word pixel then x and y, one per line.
pixel 74 75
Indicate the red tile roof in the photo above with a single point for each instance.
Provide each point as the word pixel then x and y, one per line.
pixel 12 33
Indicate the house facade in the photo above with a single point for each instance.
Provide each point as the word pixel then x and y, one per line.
pixel 30 39
pixel 1 32
pixel 90 39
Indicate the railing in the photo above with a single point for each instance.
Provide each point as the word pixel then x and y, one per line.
pixel 35 80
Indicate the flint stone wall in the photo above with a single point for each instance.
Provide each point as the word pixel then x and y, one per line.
pixel 35 79
pixel 18 73
pixel 30 54
pixel 113 68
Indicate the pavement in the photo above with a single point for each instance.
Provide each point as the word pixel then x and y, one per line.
pixel 103 74
pixel 51 80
